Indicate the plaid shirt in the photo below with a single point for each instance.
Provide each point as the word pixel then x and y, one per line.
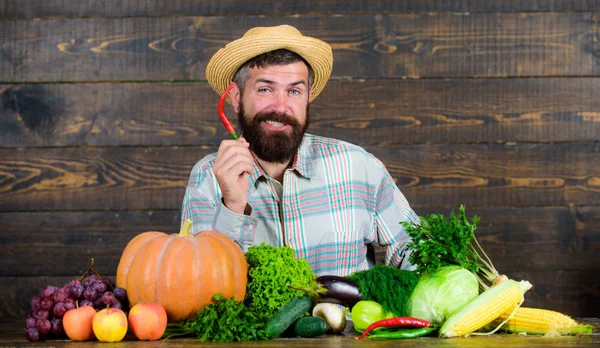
pixel 336 199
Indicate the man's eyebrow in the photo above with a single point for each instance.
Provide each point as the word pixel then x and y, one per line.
pixel 271 82
pixel 301 82
pixel 267 81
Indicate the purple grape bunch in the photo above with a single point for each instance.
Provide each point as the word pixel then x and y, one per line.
pixel 47 309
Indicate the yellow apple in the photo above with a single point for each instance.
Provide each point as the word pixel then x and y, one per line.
pixel 148 320
pixel 110 325
pixel 77 323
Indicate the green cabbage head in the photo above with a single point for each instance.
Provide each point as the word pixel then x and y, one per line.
pixel 439 295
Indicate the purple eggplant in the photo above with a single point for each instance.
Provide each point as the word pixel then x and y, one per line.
pixel 333 289
pixel 340 290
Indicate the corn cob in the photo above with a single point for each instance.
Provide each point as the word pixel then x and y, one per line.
pixel 486 307
pixel 540 321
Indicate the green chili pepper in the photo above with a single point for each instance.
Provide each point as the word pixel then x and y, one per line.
pixel 405 333
pixel 395 322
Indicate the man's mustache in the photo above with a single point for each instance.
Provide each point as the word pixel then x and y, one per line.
pixel 276 117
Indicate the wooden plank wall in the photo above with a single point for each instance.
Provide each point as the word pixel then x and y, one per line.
pixel 104 109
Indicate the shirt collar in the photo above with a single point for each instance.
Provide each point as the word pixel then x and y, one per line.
pixel 303 163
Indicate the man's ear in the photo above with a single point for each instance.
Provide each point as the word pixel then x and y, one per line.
pixel 234 95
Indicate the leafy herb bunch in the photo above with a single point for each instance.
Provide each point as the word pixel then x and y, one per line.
pixel 270 269
pixel 223 320
pixel 437 242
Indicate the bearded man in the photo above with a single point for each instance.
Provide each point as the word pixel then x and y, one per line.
pixel 329 200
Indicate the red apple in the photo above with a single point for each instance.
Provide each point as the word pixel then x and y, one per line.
pixel 77 323
pixel 110 325
pixel 148 320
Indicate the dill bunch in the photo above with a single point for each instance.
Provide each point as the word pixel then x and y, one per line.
pixel 389 286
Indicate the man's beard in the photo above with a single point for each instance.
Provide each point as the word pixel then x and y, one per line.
pixel 272 146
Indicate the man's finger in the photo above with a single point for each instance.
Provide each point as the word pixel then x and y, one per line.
pixel 233 154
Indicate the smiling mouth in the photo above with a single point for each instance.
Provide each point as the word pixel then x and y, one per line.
pixel 275 124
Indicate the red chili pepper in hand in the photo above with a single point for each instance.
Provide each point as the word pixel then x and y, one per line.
pixel 224 119
pixel 395 322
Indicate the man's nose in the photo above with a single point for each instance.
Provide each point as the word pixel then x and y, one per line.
pixel 280 103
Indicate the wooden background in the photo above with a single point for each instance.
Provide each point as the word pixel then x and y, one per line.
pixel 494 104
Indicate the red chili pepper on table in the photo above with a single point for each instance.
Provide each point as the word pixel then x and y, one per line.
pixel 395 322
pixel 224 119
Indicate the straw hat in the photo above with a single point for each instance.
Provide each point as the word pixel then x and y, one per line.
pixel 256 41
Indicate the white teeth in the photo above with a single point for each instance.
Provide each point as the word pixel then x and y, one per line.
pixel 276 124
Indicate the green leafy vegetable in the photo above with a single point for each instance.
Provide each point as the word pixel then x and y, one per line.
pixel 270 269
pixel 440 294
pixel 389 286
pixel 223 320
pixel 438 242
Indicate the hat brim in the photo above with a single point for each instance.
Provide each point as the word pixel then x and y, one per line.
pixel 225 63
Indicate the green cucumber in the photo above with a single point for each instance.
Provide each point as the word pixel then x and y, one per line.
pixel 310 327
pixel 286 316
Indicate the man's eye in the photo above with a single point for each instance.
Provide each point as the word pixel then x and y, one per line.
pixel 295 92
pixel 263 89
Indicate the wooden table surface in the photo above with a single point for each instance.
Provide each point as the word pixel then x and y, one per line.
pixel 11 335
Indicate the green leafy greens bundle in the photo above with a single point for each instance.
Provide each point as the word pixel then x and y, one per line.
pixel 438 242
pixel 389 286
pixel 223 320
pixel 269 270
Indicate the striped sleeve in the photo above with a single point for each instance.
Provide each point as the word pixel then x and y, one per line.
pixel 202 204
pixel 200 198
pixel 391 208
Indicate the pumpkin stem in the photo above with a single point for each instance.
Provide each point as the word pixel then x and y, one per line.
pixel 185 229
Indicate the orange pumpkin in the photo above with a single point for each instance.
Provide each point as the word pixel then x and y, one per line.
pixel 181 271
